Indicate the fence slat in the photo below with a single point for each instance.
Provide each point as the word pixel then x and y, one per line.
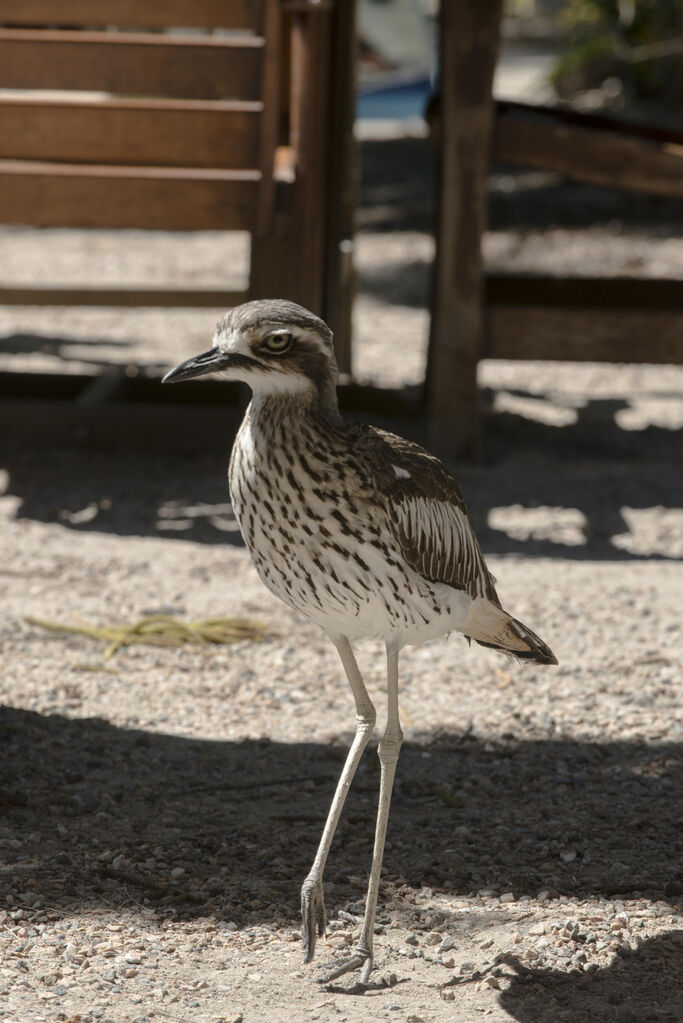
pixel 588 154
pixel 180 133
pixel 583 335
pixel 241 14
pixel 618 293
pixel 120 296
pixel 156 198
pixel 139 64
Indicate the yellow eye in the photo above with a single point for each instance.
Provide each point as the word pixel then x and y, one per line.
pixel 278 343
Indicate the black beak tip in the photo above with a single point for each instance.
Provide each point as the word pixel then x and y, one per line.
pixel 199 365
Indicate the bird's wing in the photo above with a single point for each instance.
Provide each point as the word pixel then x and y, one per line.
pixel 427 515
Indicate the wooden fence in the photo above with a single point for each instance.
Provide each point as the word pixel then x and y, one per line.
pixel 160 114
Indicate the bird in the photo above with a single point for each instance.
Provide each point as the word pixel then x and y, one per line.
pixel 361 531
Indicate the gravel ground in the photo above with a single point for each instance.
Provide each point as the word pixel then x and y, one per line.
pixel 160 809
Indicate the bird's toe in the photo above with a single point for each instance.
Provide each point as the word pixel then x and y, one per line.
pixel 361 959
pixel 313 916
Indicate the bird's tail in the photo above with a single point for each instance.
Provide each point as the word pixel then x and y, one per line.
pixel 493 627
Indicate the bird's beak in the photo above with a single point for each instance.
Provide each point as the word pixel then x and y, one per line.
pixel 207 362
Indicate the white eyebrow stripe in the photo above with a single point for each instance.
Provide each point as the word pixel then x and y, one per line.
pixel 233 342
pixel 400 473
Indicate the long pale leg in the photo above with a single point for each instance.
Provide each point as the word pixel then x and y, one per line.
pixel 388 751
pixel 312 901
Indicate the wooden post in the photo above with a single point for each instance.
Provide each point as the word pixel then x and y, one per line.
pixel 288 255
pixel 310 91
pixel 469 47
pixel 342 180
pixel 303 250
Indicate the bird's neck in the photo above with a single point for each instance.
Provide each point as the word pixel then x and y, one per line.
pixel 269 412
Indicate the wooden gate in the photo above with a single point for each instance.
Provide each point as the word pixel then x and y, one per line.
pixel 168 115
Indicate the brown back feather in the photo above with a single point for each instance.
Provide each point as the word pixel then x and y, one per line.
pixel 427 513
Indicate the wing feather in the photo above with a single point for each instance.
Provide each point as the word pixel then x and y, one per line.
pixel 427 515
pixel 437 541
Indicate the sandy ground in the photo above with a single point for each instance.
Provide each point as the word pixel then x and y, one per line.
pixel 160 809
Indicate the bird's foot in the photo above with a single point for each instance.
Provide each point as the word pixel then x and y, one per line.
pixel 313 916
pixel 361 959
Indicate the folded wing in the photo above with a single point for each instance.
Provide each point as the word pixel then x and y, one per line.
pixel 427 514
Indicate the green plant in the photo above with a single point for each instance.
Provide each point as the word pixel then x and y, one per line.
pixel 638 42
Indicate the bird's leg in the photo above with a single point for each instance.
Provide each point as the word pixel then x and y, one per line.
pixel 388 751
pixel 312 901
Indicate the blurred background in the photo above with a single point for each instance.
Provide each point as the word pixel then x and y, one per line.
pixel 505 276
pixel 594 54
pixel 96 367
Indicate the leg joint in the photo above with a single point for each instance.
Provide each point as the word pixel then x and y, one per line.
pixel 366 716
pixel 390 746
pixel 311 882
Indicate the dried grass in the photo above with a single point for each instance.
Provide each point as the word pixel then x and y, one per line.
pixel 163 630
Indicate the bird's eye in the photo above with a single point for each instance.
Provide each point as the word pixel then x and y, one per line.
pixel 278 343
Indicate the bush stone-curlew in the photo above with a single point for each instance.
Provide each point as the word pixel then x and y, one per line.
pixel 360 530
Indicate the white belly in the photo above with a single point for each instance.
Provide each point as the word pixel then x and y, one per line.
pixel 358 591
pixel 333 559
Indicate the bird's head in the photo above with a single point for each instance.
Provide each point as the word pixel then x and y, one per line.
pixel 277 347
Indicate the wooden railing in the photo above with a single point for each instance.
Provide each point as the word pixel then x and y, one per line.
pixel 533 317
pixel 168 115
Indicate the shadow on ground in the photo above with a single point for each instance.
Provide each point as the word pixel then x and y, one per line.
pixel 95 815
pixel 397 182
pixel 67 349
pixel 592 465
pixel 646 985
